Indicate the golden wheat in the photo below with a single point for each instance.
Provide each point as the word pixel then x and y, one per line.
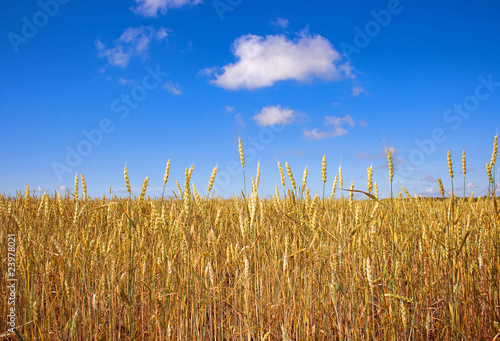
pixel 196 267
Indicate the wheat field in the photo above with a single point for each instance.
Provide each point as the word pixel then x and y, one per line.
pixel 293 267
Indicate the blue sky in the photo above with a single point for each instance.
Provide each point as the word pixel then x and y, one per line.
pixel 91 87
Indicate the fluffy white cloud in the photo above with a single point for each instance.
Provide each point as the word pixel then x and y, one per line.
pixel 172 88
pixel 274 115
pixel 280 22
pixel 431 190
pixel 471 185
pixel 336 131
pixel 357 90
pixel 150 8
pixel 134 41
pixel 262 61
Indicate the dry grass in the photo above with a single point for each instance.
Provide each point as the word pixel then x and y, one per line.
pixel 288 268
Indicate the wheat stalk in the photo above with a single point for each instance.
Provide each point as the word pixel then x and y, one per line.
pixel 290 176
pixel 84 187
pixel 242 160
pixel 304 180
pixel 323 173
pixel 464 167
pixel 495 152
pixel 450 171
pixel 334 187
pixel 127 181
pixel 441 188
pixel 76 187
pixel 144 188
pixel 341 181
pixel 370 179
pixel 212 179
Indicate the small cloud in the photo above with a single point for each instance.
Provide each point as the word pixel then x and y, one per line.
pixel 275 115
pixel 229 108
pixel 470 185
pixel 263 61
pixel 428 178
pixel 39 189
pixel 125 81
pixel 430 190
pixel 207 72
pixel 62 188
pixel 337 130
pixel 172 88
pixel 337 121
pixel 358 90
pixel 134 41
pixel 280 22
pixel 161 33
pixel 150 8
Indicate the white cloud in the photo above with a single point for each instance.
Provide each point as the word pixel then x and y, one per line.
pixel 336 131
pixel 471 185
pixel 280 22
pixel 262 61
pixel 431 190
pixel 338 121
pixel 172 88
pixel 134 41
pixel 357 90
pixel 207 72
pixel 229 108
pixel 315 134
pixel 150 8
pixel 161 33
pixel 275 115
